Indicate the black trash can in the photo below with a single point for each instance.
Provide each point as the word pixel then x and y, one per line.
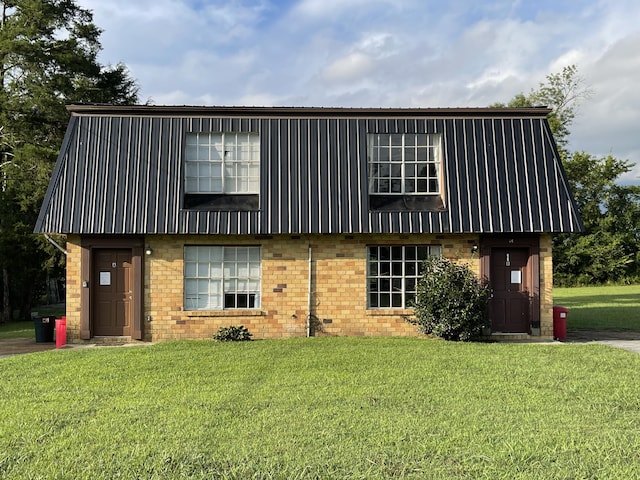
pixel 45 327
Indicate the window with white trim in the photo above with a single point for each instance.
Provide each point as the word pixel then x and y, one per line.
pixel 393 273
pixel 404 163
pixel 222 163
pixel 221 277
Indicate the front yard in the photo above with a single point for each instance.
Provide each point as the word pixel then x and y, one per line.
pixel 601 308
pixel 322 408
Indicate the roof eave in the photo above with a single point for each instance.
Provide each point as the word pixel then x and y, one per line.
pixel 188 110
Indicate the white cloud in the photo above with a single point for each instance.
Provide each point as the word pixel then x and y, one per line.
pixel 258 99
pixel 173 97
pixel 319 9
pixel 608 121
pixel 379 44
pixel 350 67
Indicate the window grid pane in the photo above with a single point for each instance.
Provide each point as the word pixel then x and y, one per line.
pixel 222 163
pixel 404 163
pixel 393 273
pixel 217 277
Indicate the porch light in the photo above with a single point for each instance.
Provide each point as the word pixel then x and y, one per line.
pixel 474 248
pixel 148 250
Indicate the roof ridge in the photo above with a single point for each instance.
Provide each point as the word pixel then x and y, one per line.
pixel 94 108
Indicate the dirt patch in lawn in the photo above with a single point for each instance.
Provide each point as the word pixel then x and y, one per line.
pixel 15 346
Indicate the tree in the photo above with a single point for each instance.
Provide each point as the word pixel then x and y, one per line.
pixel 608 249
pixel 562 93
pixel 48 58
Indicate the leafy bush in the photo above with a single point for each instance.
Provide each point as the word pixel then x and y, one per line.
pixel 451 302
pixel 232 333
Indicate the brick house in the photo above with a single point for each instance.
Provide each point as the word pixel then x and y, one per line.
pixel 300 221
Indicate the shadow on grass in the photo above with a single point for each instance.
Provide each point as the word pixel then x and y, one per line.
pixel 614 300
pixel 584 336
pixel 610 312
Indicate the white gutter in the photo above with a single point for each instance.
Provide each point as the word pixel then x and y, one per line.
pixel 309 296
pixel 54 243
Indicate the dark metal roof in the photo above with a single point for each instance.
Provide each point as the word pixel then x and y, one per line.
pixel 120 172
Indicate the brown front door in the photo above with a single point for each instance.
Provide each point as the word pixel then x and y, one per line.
pixel 510 306
pixel 112 279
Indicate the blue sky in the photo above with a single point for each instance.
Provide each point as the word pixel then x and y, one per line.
pixel 384 53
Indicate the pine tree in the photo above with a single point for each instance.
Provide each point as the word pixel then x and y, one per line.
pixel 48 58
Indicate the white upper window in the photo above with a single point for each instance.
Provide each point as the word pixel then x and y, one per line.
pixel 404 163
pixel 223 163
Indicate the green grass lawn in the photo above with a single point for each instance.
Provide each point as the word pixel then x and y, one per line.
pixel 355 408
pixel 17 330
pixel 26 329
pixel 601 308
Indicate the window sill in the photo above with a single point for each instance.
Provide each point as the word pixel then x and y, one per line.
pixel 222 202
pixel 406 203
pixel 224 313
pixel 389 312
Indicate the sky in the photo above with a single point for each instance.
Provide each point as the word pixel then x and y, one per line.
pixel 384 53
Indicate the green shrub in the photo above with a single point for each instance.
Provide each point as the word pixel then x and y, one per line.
pixel 451 302
pixel 232 333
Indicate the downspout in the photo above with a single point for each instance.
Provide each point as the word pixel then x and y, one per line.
pixel 54 243
pixel 309 295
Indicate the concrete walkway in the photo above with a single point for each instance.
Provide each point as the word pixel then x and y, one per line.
pixel 626 340
pixel 17 346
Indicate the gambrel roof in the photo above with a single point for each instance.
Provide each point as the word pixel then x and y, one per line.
pixel 120 171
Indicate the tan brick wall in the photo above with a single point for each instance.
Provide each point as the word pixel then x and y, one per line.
pixel 546 286
pixel 74 287
pixel 339 286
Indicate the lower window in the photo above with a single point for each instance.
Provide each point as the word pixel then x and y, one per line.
pixel 217 277
pixel 393 273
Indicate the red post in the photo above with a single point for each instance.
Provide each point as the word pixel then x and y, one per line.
pixel 61 332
